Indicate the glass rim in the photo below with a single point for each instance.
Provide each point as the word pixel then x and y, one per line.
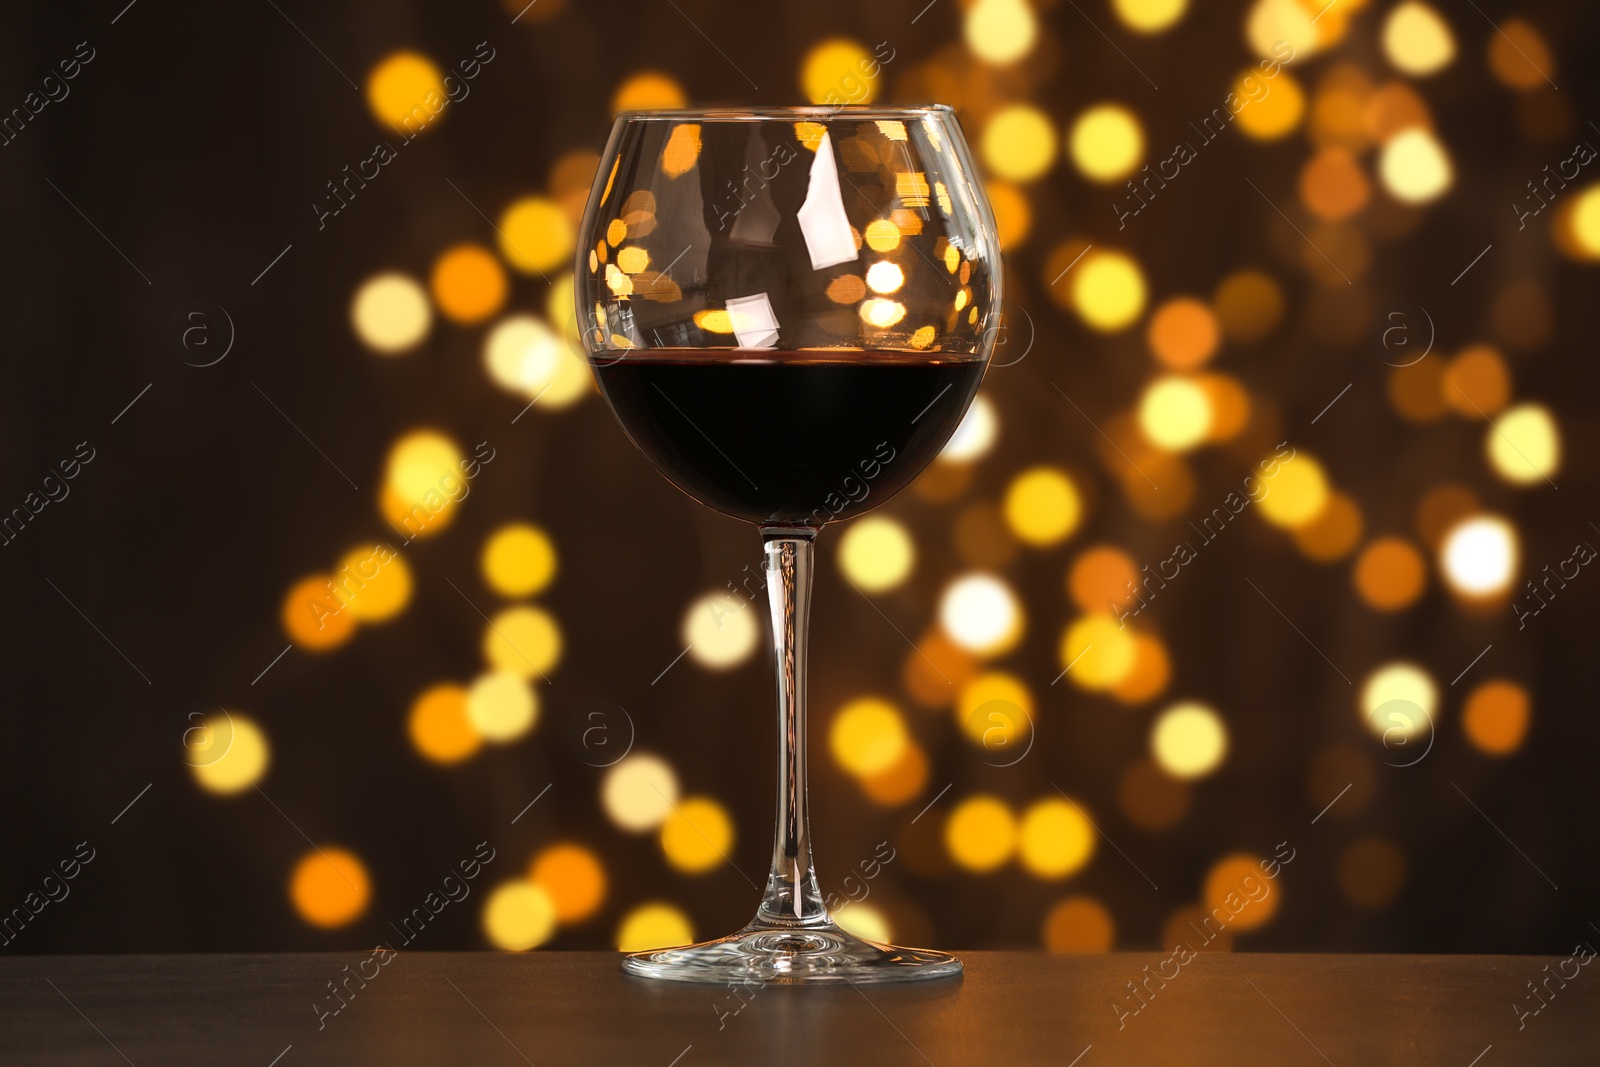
pixel 789 113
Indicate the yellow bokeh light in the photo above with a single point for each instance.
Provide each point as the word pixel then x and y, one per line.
pixel 1231 887
pixel 523 641
pixel 863 920
pixel 1417 39
pixel 399 88
pixel 721 630
pixel 501 706
pixel 837 72
pixel 390 313
pixel 468 283
pixel 868 736
pixel 995 710
pixel 648 89
pixel 329 887
pixel 1000 31
pixel 1149 16
pixel 518 560
pixel 573 877
pixel 1414 166
pixel 373 583
pixel 638 793
pixel 1479 556
pixel 1496 717
pixel 885 277
pixel 877 553
pixel 981 833
pixel 1274 113
pixel 1524 445
pixel 651 926
pixel 439 726
pixel 1189 740
pixel 980 613
pixel 882 235
pixel 1042 506
pixel 882 313
pixel 1175 413
pixel 1398 681
pixel 1273 24
pixel 1108 291
pixel 976 434
pixel 227 752
pixel 1097 653
pixel 536 235
pixel 1106 142
pixel 697 835
pixel 1299 493
pixel 1056 838
pixel 421 463
pixel 313 617
pixel 1019 143
pixel 682 150
pixel 518 916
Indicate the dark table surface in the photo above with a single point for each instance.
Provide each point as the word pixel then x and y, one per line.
pixel 552 1009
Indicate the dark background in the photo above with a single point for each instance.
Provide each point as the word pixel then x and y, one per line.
pixel 196 141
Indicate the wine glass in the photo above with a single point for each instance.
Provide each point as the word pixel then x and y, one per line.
pixel 789 310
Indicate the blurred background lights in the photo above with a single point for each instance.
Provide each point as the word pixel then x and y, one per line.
pixel 980 613
pixel 573 878
pixel 1042 506
pixel 418 462
pixel 1239 876
pixel 1149 16
pixel 226 751
pixel 1097 652
pixel 371 587
pixel 1523 444
pixel 864 920
pixel 521 353
pixel 1189 740
pixel 638 793
pixel 1519 56
pixel 390 313
pixel 312 617
pixel 1417 39
pixel 1585 222
pixel 1055 838
pixel 648 89
pixel 1018 143
pixel 1000 31
pixel 399 87
pixel 501 706
pixel 523 641
pixel 1078 924
pixel 536 235
pixel 1398 681
pixel 518 916
pixel 885 277
pixel 838 71
pixel 518 560
pixel 1414 166
pixel 697 835
pixel 468 283
pixel 1371 872
pixel 1108 290
pixel 1266 117
pixel 1183 333
pixel 651 926
pixel 868 736
pixel 981 833
pixel 1390 573
pixel 1479 557
pixel 439 727
pixel 876 553
pixel 1496 717
pixel 976 433
pixel 1274 23
pixel 721 630
pixel 1175 413
pixel 995 711
pixel 1106 142
pixel 329 887
pixel 1297 492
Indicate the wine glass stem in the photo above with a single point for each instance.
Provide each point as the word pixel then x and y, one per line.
pixel 792 897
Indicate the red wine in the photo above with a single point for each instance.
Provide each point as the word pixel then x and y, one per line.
pixel 794 438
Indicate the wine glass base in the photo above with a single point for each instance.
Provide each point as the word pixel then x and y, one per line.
pixel 792 955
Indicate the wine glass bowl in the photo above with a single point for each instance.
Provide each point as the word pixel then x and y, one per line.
pixel 789 311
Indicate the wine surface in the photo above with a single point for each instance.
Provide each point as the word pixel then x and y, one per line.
pixel 796 438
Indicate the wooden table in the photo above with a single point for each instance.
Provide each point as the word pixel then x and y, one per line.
pixel 553 1009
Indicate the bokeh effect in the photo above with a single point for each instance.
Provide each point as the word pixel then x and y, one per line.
pixel 1265 537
